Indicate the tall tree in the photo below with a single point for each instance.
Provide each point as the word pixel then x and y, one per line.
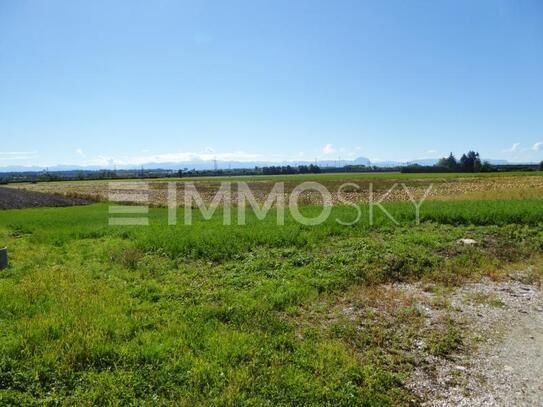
pixel 448 162
pixel 451 162
pixel 470 162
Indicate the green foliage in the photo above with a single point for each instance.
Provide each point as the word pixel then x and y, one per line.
pixel 211 315
pixel 469 162
pixel 449 163
pixel 446 340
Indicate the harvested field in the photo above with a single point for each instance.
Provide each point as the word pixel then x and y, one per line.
pixel 350 188
pixel 18 198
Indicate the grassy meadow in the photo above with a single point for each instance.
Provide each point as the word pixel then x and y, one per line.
pixel 209 314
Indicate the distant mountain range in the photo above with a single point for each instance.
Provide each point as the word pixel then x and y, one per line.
pixel 191 165
pixel 210 164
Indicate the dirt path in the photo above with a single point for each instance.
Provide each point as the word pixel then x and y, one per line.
pixel 504 365
pixel 515 373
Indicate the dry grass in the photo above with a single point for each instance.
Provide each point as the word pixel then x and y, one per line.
pixel 472 188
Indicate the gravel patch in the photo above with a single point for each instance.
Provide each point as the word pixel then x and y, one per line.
pixel 503 363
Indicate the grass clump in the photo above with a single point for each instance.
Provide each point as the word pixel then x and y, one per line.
pixel 445 339
pixel 481 298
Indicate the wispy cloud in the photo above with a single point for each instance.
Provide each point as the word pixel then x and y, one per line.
pixel 328 149
pixel 80 152
pixel 515 148
pixel 537 146
pixel 17 155
pixel 432 154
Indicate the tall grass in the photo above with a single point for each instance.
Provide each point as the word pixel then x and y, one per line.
pixel 212 240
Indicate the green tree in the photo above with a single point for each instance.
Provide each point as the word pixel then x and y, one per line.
pixel 487 167
pixel 477 166
pixel 451 162
pixel 448 162
pixel 470 162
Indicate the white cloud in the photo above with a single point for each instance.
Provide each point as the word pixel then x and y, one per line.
pixel 101 160
pixel 80 152
pixel 433 154
pixel 17 155
pixel 537 146
pixel 514 148
pixel 209 150
pixel 328 149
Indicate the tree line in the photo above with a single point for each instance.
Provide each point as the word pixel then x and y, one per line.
pixel 288 169
pixel 468 162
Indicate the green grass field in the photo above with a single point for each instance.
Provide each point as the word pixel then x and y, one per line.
pixel 231 315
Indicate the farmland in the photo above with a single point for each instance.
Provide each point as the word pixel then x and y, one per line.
pixel 467 186
pixel 254 314
pixel 271 203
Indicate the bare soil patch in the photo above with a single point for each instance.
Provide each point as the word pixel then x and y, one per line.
pixel 11 198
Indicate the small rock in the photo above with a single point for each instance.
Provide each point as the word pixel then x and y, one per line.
pixel 466 242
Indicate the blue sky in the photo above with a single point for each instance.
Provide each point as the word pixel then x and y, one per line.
pixel 95 82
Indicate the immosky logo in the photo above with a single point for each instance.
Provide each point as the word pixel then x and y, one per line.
pixel 129 193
